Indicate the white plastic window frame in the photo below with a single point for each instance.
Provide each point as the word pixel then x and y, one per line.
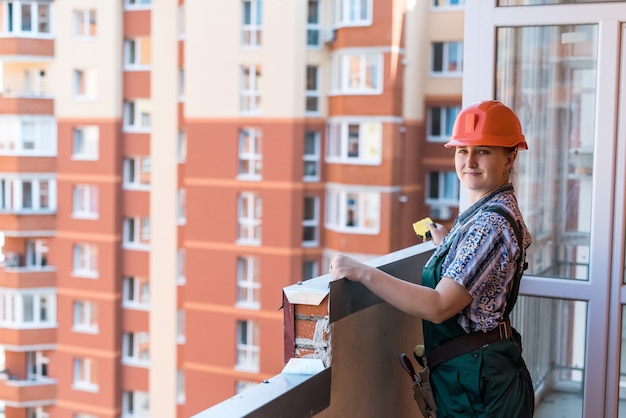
pixel 85 201
pixel 248 349
pixel 132 351
pixel 136 293
pixel 85 317
pixel 248 283
pixel 314 26
pixel 369 141
pixel 313 79
pixel 250 94
pixel 443 112
pixel 17 20
pixel 249 220
pixel 86 142
pixel 84 20
pixel 446 58
pixel 250 154
pixel 350 13
pixel 82 375
pixel 312 222
pixel 363 204
pixel 368 67
pixel 85 260
pixel 252 31
pixel 312 159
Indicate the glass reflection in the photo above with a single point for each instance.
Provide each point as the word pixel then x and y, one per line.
pixel 547 74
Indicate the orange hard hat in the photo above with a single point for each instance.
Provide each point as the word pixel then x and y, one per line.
pixel 488 123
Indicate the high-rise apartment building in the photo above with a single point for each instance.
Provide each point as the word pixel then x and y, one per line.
pixel 167 167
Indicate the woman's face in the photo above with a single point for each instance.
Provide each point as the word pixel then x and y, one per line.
pixel 483 169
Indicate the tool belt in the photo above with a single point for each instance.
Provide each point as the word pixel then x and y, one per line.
pixel 468 342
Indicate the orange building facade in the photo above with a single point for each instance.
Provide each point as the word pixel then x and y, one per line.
pixel 167 168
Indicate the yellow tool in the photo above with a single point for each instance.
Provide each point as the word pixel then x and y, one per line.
pixel 421 229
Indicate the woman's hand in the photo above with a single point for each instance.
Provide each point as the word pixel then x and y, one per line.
pixel 437 232
pixel 344 267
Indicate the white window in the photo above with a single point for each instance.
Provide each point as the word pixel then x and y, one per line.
pixel 137 4
pixel 136 348
pixel 249 218
pixel 86 142
pixel 353 211
pixel 250 89
pixel 36 412
pixel 136 232
pixel 85 201
pixel 135 404
pixel 29 308
pixel 313 24
pixel 138 53
pixel 85 261
pixel 248 350
pixel 442 193
pixel 440 122
pixel 85 84
pixel 354 142
pixel 447 4
pixel 310 221
pixel 182 146
pixel 181 207
pixel 82 415
pixel 85 316
pixel 447 58
pixel 312 104
pixel 27 194
pixel 180 267
pixel 248 285
pixel 181 84
pixel 136 292
pixel 180 386
pixel 85 24
pixel 137 115
pixel 311 156
pixel 37 365
pixel 181 21
pixel 250 156
pixel 357 73
pixel 28 135
pixel 180 326
pixel 36 253
pixel 26 18
pixel 252 23
pixel 35 84
pixel 310 269
pixel 353 12
pixel 137 172
pixel 85 374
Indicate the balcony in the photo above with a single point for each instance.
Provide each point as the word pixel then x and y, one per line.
pixel 342 346
pixel 21 393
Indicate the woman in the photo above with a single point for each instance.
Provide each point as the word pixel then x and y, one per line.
pixel 469 285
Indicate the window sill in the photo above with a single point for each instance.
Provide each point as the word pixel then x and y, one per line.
pixel 86 387
pixel 81 274
pixel 85 330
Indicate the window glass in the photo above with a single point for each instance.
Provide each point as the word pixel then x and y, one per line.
pixel 553 91
pixel 311 155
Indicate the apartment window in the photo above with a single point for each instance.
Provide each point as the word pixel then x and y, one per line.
pixel 85 261
pixel 313 24
pixel 136 292
pixel 136 348
pixel 35 83
pixel 353 12
pixel 85 201
pixel 32 308
pixel 252 23
pixel 447 4
pixel 181 84
pixel 82 415
pixel 181 21
pixel 36 253
pixel 181 206
pixel 249 218
pixel 180 267
pixel 85 84
pixel 310 269
pixel 248 285
pixel 442 191
pixel 36 412
pixel 136 232
pixel 250 89
pixel 440 122
pixel 28 135
pixel 353 211
pixel 447 58
pixel 85 375
pixel 27 194
pixel 86 141
pixel 182 146
pixel 137 4
pixel 310 221
pixel 26 18
pixel 180 326
pixel 135 404
pixel 250 156
pixel 138 53
pixel 137 172
pixel 312 104
pixel 180 386
pixel 85 316
pixel 37 365
pixel 355 142
pixel 248 350
pixel 85 24
pixel 137 115
pixel 357 73
pixel 311 156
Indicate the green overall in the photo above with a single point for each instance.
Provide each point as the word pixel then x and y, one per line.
pixel 492 381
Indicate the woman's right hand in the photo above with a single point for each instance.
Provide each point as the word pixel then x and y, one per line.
pixel 437 232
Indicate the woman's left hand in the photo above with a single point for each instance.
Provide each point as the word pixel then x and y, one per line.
pixel 344 267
